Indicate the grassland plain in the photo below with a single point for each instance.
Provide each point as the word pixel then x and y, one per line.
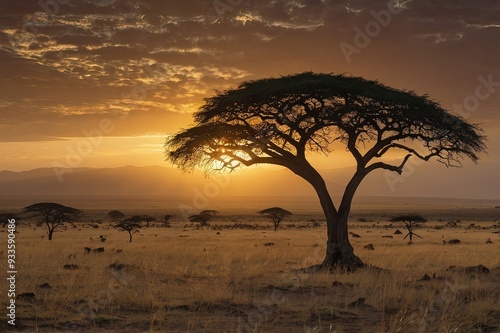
pixel 237 275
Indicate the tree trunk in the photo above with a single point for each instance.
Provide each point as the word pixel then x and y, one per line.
pixel 130 237
pixel 339 251
pixel 50 233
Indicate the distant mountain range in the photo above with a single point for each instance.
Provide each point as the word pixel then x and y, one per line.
pixel 426 180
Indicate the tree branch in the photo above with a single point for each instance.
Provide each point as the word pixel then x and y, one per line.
pixel 382 165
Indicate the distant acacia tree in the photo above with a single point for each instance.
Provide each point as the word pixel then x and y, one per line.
pixel 141 218
pixel 411 221
pixel 116 215
pixel 166 220
pixel 53 215
pixel 204 216
pixel 129 226
pixel 279 120
pixel 5 217
pixel 276 214
pixel 134 218
pixel 148 219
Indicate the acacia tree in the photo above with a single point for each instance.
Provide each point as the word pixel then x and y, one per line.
pixel 116 215
pixel 148 219
pixel 129 226
pixel 204 216
pixel 53 215
pixel 276 214
pixel 278 120
pixel 141 218
pixel 411 221
pixel 5 217
pixel 166 220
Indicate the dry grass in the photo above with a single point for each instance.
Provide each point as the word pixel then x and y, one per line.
pixel 187 280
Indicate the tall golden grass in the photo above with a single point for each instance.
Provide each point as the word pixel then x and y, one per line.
pixel 186 279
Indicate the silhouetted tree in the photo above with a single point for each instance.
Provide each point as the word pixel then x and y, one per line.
pixel 276 214
pixel 141 218
pixel 411 221
pixel 129 226
pixel 203 217
pixel 166 221
pixel 5 217
pixel 148 220
pixel 116 215
pixel 134 218
pixel 278 120
pixel 53 215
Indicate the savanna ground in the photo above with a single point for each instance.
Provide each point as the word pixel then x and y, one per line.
pixel 237 275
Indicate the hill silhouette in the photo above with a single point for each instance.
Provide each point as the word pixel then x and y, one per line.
pixel 430 180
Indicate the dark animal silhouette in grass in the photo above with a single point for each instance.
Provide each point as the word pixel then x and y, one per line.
pixel 411 221
pixel 275 214
pixel 129 226
pixel 53 215
pixel 280 120
pixel 204 216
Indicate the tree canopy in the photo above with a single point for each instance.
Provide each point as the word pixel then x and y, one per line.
pixel 5 217
pixel 411 221
pixel 204 216
pixel 115 215
pixel 410 218
pixel 278 120
pixel 129 226
pixel 53 214
pixel 276 214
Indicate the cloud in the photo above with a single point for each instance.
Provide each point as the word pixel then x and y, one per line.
pixel 94 58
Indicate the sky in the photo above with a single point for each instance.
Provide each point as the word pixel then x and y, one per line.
pixel 101 83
